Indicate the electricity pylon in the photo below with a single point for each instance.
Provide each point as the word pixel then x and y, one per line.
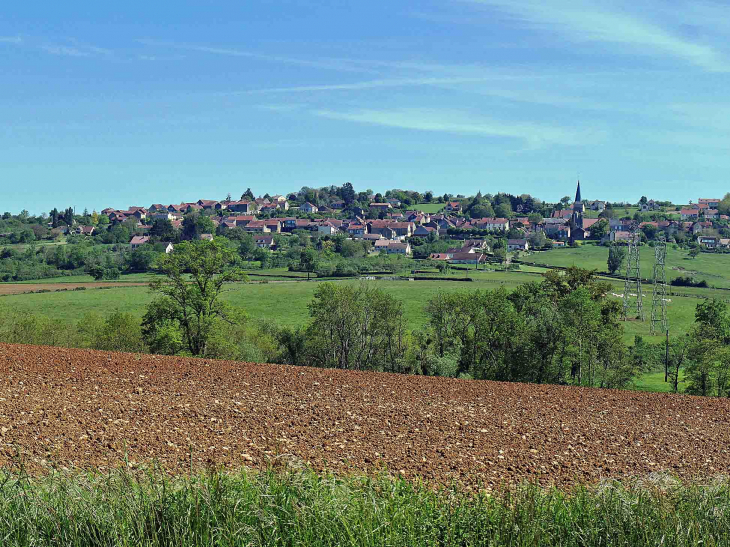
pixel 633 275
pixel 659 296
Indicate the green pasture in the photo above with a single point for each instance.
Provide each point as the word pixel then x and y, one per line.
pixel 124 278
pixel 654 381
pixel 286 302
pixel 41 243
pixel 428 207
pixel 712 267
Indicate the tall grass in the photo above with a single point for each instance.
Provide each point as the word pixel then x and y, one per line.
pixel 303 508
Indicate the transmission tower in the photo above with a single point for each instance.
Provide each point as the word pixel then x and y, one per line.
pixel 659 296
pixel 633 276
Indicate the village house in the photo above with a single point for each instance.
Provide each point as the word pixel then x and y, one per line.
pixel 257 226
pixel 264 241
pixel 712 203
pixel 438 256
pixel 240 220
pixel 326 228
pixel 425 231
pixel 162 214
pixel 85 230
pixel 689 214
pixel 357 230
pixel 211 204
pixel 565 214
pixel 467 258
pixel 617 236
pixel 492 224
pixel 338 204
pixel 596 205
pixel 399 248
pixel 167 246
pixel 709 242
pixel 555 228
pixel 650 205
pixel 453 207
pixel 138 241
pixel 309 208
pixel 381 206
pixel 243 206
pixel 517 245
pixel 206 237
pixel 273 224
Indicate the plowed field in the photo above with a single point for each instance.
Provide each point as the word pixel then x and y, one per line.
pixel 79 408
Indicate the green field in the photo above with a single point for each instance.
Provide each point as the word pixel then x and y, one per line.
pixel 318 509
pixel 286 302
pixel 124 278
pixel 712 267
pixel 654 381
pixel 428 207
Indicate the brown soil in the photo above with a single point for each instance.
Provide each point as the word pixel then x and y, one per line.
pixel 20 288
pixel 82 408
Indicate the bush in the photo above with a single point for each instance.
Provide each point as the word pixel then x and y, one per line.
pixel 688 281
pixel 119 332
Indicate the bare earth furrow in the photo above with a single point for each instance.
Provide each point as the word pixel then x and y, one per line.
pixel 82 408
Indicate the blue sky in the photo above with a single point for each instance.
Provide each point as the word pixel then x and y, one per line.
pixel 133 103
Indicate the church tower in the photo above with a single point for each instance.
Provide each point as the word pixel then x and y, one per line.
pixel 578 210
pixel 576 218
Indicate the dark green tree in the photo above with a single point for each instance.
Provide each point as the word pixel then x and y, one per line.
pixel 195 274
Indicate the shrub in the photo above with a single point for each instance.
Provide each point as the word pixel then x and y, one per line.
pixel 688 281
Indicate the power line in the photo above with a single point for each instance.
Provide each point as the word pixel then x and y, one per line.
pixel 633 276
pixel 659 295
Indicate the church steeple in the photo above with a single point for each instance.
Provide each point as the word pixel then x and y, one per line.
pixel 577 193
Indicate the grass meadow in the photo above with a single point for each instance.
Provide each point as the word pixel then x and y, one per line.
pixel 712 267
pixel 428 207
pixel 285 301
pixel 275 508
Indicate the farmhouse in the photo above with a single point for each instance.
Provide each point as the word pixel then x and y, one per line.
pixel 650 205
pixel 326 228
pixel 211 204
pixel 517 245
pixel 257 226
pixel 357 230
pixel 393 247
pixel 264 241
pixel 467 258
pixel 138 241
pixel 712 203
pixel 309 208
pixel 708 242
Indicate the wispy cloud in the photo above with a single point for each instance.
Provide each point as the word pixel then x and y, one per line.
pixel 585 20
pixel 372 84
pixel 65 50
pixel 75 48
pixel 331 64
pixel 11 39
pixel 459 122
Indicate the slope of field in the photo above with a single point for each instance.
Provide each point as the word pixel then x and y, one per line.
pixel 286 302
pixel 712 267
pixel 84 408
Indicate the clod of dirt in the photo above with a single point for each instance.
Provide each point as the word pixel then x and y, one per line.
pixel 96 409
